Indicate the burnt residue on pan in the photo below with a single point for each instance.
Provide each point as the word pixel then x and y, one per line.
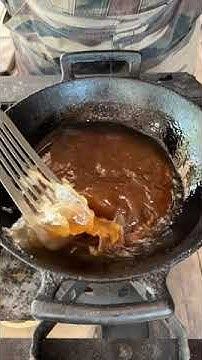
pixel 124 175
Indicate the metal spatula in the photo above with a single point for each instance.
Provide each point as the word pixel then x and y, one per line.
pixel 17 162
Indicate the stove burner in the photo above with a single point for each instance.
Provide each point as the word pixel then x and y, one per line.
pixel 120 302
pixel 138 341
pixel 120 335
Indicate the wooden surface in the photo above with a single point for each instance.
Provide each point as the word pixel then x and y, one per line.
pixel 185 284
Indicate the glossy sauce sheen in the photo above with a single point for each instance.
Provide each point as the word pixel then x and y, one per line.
pixel 123 174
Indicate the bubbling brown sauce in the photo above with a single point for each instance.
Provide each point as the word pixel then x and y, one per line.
pixel 123 174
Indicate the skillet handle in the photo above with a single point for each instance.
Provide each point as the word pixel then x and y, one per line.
pixel 147 306
pixel 110 62
pixel 115 315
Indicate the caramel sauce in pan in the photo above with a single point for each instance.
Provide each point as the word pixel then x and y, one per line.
pixel 123 174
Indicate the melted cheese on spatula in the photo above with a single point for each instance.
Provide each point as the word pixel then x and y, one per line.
pixel 66 216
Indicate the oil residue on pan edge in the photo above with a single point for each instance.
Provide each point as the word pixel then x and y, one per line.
pixel 124 175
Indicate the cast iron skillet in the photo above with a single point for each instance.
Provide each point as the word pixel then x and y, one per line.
pixel 123 99
pixel 156 111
